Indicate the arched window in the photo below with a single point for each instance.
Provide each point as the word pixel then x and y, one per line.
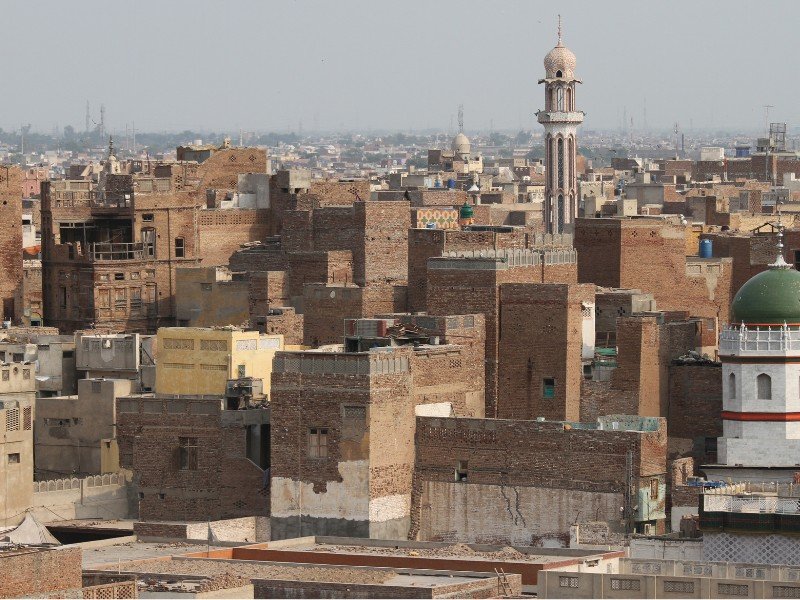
pixel 560 158
pixel 558 73
pixel 560 99
pixel 569 99
pixel 732 386
pixel 764 387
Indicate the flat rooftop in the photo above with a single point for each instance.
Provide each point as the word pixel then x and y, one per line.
pixel 110 556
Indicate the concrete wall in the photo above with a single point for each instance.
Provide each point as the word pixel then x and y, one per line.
pixel 664 548
pixel 16 476
pixel 512 514
pixel 209 296
pixel 105 497
pixel 197 360
pixel 72 432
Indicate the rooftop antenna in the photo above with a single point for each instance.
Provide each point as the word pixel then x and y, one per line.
pixel 766 118
pixel 88 118
pixel 460 118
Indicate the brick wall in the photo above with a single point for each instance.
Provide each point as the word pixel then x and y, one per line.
pixel 284 321
pixel 541 337
pixel 222 232
pixel 380 249
pixel 37 572
pixel 695 406
pixel 225 483
pixel 11 179
pixel 325 307
pixel 649 254
pixel 541 476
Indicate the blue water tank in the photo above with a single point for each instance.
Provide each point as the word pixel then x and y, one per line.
pixel 451 184
pixel 705 248
pixel 430 225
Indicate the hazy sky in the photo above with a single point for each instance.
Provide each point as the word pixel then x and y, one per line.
pixel 344 64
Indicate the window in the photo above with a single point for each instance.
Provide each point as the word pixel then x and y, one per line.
pixel 764 387
pixel 558 73
pixel 461 470
pixel 318 442
pixel 631 585
pixel 568 582
pixel 119 276
pixel 732 386
pixel 732 589
pixel 120 298
pixel 654 489
pixel 241 371
pixel 679 587
pixel 179 248
pixel 96 387
pixel 560 99
pixel 147 217
pixel 188 453
pixel 548 387
pixel 26 373
pixel 63 296
pixel 136 299
pixel 13 459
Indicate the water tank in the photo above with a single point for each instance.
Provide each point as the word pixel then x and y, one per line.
pixel 430 225
pixel 451 184
pixel 705 248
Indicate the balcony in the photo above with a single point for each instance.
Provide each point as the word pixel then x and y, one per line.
pixel 762 508
pixel 121 251
pixel 90 199
pixel 768 340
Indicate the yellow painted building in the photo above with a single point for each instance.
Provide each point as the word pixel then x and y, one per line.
pixel 200 360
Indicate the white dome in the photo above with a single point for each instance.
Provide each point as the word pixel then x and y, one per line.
pixel 561 59
pixel 461 144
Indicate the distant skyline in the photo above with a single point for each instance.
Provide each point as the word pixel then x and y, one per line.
pixel 352 64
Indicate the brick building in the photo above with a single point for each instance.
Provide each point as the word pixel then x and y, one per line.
pixel 193 460
pixel 342 444
pixel 110 251
pixel 546 332
pixel 650 254
pixel 470 283
pixel 526 482
pixel 331 262
pixel 432 243
pixel 638 383
pixel 11 179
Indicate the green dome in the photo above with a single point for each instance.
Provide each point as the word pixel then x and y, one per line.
pixel 770 298
pixel 466 211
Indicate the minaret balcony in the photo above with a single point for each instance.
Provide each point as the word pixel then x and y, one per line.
pixel 763 340
pixel 560 117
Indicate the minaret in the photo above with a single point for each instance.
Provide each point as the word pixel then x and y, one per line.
pixel 760 355
pixel 560 120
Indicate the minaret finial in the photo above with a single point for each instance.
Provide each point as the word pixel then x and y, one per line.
pixel 780 262
pixel 559 30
